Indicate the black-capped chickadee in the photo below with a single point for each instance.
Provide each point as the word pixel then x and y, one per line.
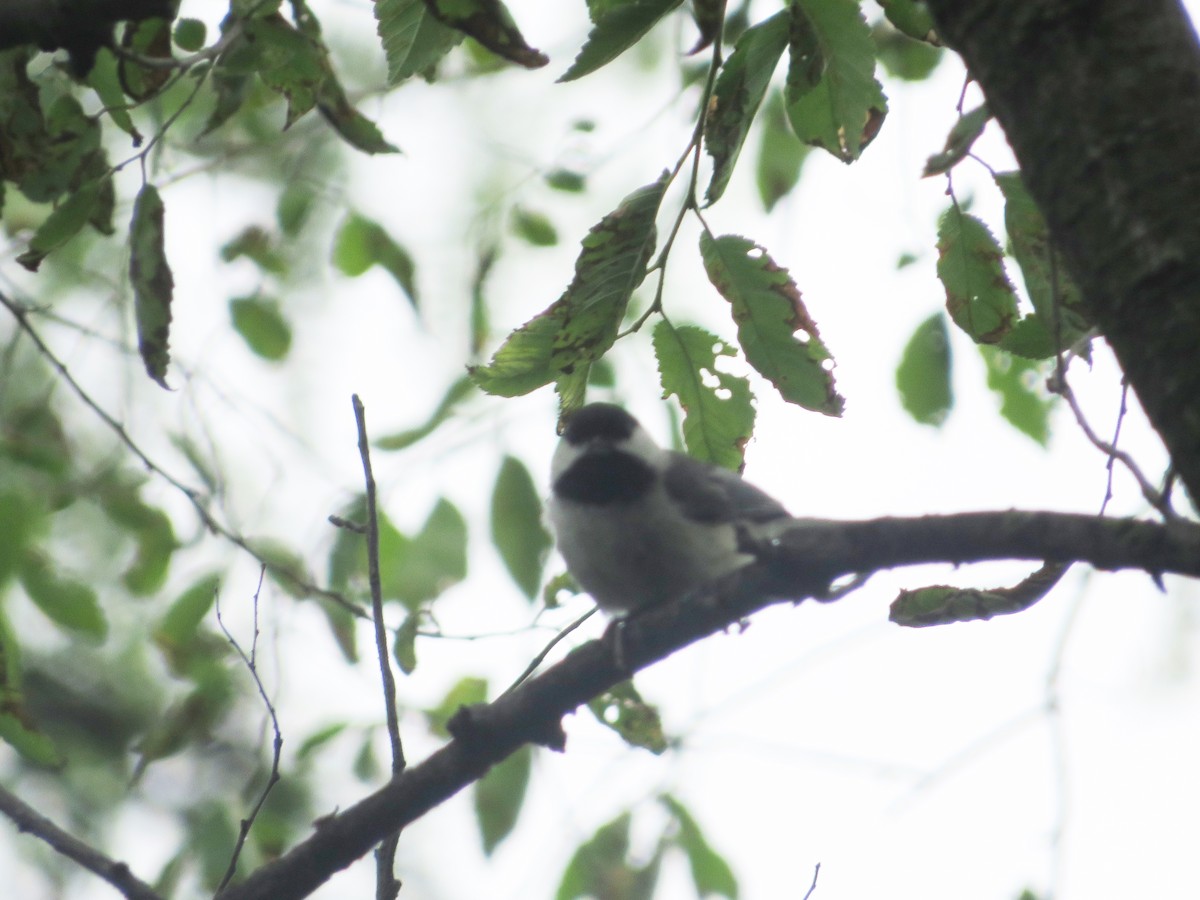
pixel 640 525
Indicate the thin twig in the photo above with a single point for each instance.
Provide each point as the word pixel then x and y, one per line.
pixel 537 660
pixel 386 885
pixel 251 662
pixel 26 818
pixel 194 497
pixel 812 887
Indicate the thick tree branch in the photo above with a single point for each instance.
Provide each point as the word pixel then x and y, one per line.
pixel 1100 99
pixel 807 557
pixel 115 873
pixel 81 27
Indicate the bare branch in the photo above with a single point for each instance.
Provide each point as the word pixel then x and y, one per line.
pixel 115 873
pixel 386 885
pixel 251 662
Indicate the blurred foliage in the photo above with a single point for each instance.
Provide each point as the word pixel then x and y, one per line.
pixel 112 658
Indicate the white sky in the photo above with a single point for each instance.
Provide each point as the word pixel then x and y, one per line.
pixel 907 763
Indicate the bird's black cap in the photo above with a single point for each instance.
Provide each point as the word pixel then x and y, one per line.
pixel 599 420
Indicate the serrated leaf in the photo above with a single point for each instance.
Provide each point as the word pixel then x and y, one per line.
pixel 781 154
pixel 517 529
pixel 287 60
pixel 923 376
pixel 617 27
pixel 64 222
pixel 68 603
pixel 362 243
pixel 1056 297
pixel 153 285
pixel 436 557
pixel 466 691
pixel 491 24
pixel 711 874
pixel 962 136
pixel 769 313
pixel 455 394
pixel 842 110
pixel 979 296
pixel 560 343
pixel 739 90
pixel 624 711
pixel 262 326
pixel 1020 382
pixel 412 37
pixel 499 796
pixel 404 647
pixel 718 408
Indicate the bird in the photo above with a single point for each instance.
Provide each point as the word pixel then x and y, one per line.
pixel 638 524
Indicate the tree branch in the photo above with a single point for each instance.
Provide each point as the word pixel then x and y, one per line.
pixel 81 27
pixel 806 557
pixel 115 873
pixel 1099 99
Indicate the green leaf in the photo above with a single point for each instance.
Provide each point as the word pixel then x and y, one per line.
pixel 16 728
pixel 366 763
pixel 289 62
pixel 156 544
pixel 262 326
pixel 708 15
pixel 624 711
pixel 781 154
pixel 436 557
pixel 842 108
pixel 711 874
pixel 962 137
pixel 617 27
pixel 352 126
pixel 455 394
pixel 567 181
pixel 533 228
pixel 466 691
pixel 499 796
pixel 517 529
pixel 190 34
pixel 600 867
pixel 362 243
pixel 718 412
pixel 560 343
pixel 259 246
pixel 317 740
pixel 153 285
pixel 285 566
pixel 64 222
pixel 1057 299
pixel 413 39
pixel 740 88
pixel 769 313
pixel 24 516
pixel 923 376
pixel 106 83
pixel 404 648
pixel 903 56
pixel 182 619
pixel 1021 386
pixel 911 17
pixel 491 24
pixel 979 296
pixel 70 604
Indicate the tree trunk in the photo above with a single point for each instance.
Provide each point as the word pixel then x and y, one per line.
pixel 1100 100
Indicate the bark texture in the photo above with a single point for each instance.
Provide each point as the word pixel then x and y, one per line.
pixel 1100 100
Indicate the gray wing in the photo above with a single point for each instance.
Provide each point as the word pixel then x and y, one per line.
pixel 708 493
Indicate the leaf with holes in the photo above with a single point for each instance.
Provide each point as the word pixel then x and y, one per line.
pixel 624 711
pixel 769 313
pixel 1024 401
pixel 718 412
